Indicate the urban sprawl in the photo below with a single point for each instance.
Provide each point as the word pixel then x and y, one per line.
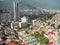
pixel 32 27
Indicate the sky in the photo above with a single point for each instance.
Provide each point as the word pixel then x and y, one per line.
pixel 47 4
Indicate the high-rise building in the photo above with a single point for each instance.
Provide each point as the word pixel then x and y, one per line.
pixel 24 19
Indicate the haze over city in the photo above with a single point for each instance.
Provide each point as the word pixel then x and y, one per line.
pixel 29 22
pixel 47 4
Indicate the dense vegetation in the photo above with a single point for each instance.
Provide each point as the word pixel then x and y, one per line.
pixel 40 37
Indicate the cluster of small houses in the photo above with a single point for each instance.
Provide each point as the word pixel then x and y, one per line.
pixel 52 34
pixel 7 37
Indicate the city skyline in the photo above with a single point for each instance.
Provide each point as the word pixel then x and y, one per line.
pixel 47 4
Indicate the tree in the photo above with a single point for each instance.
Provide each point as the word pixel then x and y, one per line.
pixel 42 39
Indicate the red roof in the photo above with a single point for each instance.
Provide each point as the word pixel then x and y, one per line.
pixel 11 43
pixel 26 44
pixel 53 32
pixel 14 39
pixel 59 35
pixel 1 41
pixel 40 31
pixel 50 43
pixel 20 42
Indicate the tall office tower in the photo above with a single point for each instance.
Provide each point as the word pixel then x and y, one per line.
pixel 15 8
